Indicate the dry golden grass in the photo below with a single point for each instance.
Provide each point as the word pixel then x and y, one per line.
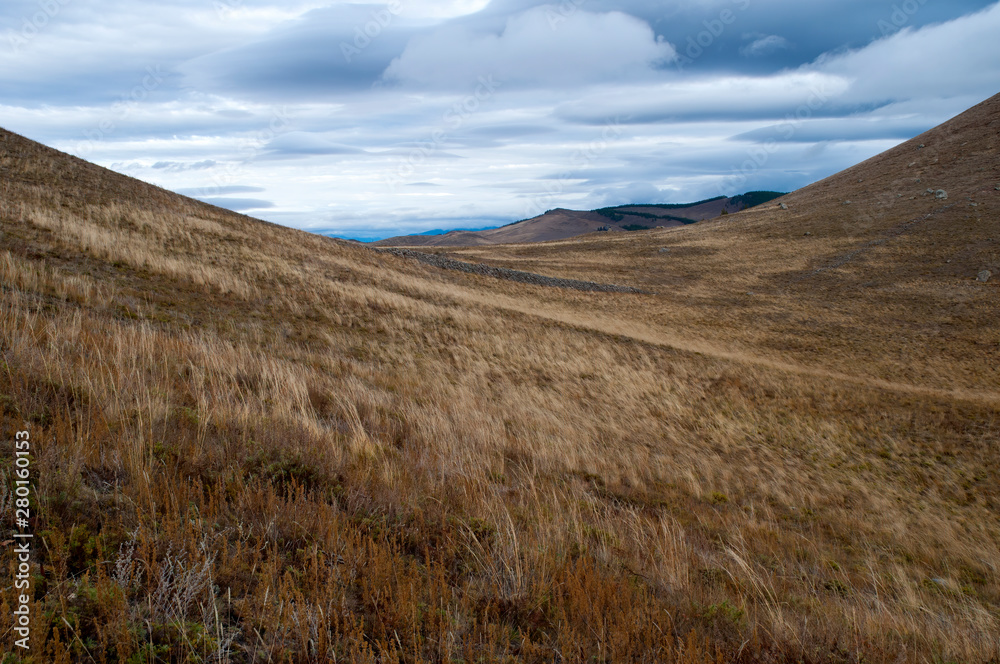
pixel 255 444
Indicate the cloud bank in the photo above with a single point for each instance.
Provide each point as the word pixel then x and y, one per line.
pixel 370 120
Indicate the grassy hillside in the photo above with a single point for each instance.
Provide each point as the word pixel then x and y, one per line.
pixel 254 444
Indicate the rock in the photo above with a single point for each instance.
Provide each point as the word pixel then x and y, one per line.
pixel 984 276
pixel 664 250
pixel 973 204
pixel 912 164
pixel 941 194
pixel 847 202
pixel 930 191
pixel 807 233
pixel 920 147
pixel 783 206
pixel 997 188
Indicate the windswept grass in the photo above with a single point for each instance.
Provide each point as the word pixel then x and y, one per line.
pixel 255 445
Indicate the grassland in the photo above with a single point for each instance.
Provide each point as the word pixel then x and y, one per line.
pixel 259 445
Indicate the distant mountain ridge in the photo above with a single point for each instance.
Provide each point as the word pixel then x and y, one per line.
pixel 561 224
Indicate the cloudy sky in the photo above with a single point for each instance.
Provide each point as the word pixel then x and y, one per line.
pixel 369 120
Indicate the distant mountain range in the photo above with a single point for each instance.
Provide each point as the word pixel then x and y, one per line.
pixel 560 224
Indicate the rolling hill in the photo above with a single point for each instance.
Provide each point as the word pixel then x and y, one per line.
pixel 562 224
pixel 254 444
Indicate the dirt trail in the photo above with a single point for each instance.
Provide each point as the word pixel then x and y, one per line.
pixel 646 334
pixel 509 274
pixel 596 323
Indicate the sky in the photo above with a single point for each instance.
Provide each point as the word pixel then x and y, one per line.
pixel 373 120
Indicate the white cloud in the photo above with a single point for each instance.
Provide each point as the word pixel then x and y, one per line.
pixel 953 59
pixel 636 192
pixel 416 9
pixel 185 166
pixel 303 143
pixel 441 9
pixel 274 104
pixel 763 45
pixel 542 46
pixel 717 97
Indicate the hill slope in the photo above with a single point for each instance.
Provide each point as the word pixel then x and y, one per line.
pixel 562 224
pixel 256 444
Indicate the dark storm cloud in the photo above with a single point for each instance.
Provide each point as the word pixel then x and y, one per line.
pixel 325 52
pixel 839 129
pixel 501 132
pixel 177 166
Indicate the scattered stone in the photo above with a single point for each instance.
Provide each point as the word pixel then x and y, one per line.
pixel 930 191
pixel 973 204
pixel 941 194
pixel 912 164
pixel 807 233
pixel 984 276
pixel 664 250
pixel 920 147
pixel 997 188
pixel 948 261
pixel 918 180
pixel 847 202
pixel 783 206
